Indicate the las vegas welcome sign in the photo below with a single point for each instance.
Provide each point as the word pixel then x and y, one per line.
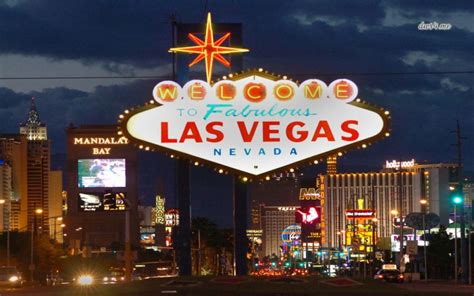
pixel 255 123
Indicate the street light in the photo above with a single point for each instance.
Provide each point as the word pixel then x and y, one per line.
pixel 423 203
pixel 38 211
pixel 457 200
pixel 2 202
pixel 374 221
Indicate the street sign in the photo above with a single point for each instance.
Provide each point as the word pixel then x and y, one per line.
pixel 412 247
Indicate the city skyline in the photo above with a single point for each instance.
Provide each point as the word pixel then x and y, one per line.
pixel 423 77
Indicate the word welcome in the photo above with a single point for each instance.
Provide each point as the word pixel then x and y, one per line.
pixel 255 91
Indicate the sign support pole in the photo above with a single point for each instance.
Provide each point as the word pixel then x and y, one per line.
pixel 240 227
pixel 180 72
pixel 184 205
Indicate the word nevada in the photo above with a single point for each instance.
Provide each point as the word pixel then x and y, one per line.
pixel 255 123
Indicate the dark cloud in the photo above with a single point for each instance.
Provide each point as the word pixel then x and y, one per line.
pixel 424 7
pixel 10 99
pixel 138 32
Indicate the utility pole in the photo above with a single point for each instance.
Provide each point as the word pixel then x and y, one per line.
pixel 374 220
pixel 128 249
pixel 464 258
pixel 402 222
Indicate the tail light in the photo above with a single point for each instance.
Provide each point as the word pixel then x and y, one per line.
pixel 380 276
pixel 400 276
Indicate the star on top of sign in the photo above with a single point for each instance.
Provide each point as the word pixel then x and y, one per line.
pixel 208 49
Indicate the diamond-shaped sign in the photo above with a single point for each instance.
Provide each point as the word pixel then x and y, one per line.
pixel 255 124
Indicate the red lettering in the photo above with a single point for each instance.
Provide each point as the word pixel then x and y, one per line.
pixel 323 131
pixel 211 129
pixel 301 135
pixel 247 136
pixel 165 135
pixel 191 132
pixel 354 134
pixel 268 131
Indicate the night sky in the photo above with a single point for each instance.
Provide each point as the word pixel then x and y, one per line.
pixel 377 44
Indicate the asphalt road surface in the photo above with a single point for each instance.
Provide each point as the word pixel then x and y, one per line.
pixel 222 286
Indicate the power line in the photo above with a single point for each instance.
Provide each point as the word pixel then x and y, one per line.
pixel 289 74
pixel 384 73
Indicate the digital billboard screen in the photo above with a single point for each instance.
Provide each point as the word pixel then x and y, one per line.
pixel 98 202
pixel 97 172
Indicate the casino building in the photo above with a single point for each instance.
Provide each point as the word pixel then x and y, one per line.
pixel 381 192
pixel 274 219
pixel 102 186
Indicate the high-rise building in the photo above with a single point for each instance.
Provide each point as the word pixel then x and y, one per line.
pixel 331 164
pixel 34 128
pixel 5 195
pixel 38 167
pixel 274 219
pixel 392 190
pixel 55 205
pixel 13 152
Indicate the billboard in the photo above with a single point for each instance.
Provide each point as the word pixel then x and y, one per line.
pixel 101 172
pixel 359 236
pixel 98 202
pixel 255 123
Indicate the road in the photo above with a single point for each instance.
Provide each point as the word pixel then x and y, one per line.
pixel 222 286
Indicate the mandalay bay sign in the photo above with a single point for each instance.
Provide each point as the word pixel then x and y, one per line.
pixel 253 123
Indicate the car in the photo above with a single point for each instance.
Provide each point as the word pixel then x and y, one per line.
pixel 10 276
pixel 114 276
pixel 389 275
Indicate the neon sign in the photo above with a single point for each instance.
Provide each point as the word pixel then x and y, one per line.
pixel 397 164
pixel 311 216
pixel 360 214
pixel 100 141
pixel 159 210
pixel 291 234
pixel 256 123
pixel 208 49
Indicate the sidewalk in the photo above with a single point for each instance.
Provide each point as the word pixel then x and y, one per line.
pixel 438 286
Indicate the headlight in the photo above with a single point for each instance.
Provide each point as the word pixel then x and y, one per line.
pixel 106 279
pixel 13 279
pixel 85 280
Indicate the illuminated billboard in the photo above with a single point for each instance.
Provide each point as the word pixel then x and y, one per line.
pixel 98 202
pixel 359 236
pixel 106 173
pixel 255 123
pixel 309 215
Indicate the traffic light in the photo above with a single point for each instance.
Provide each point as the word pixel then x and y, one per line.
pixel 457 198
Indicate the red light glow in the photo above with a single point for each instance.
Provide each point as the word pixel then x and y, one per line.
pixel 208 49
